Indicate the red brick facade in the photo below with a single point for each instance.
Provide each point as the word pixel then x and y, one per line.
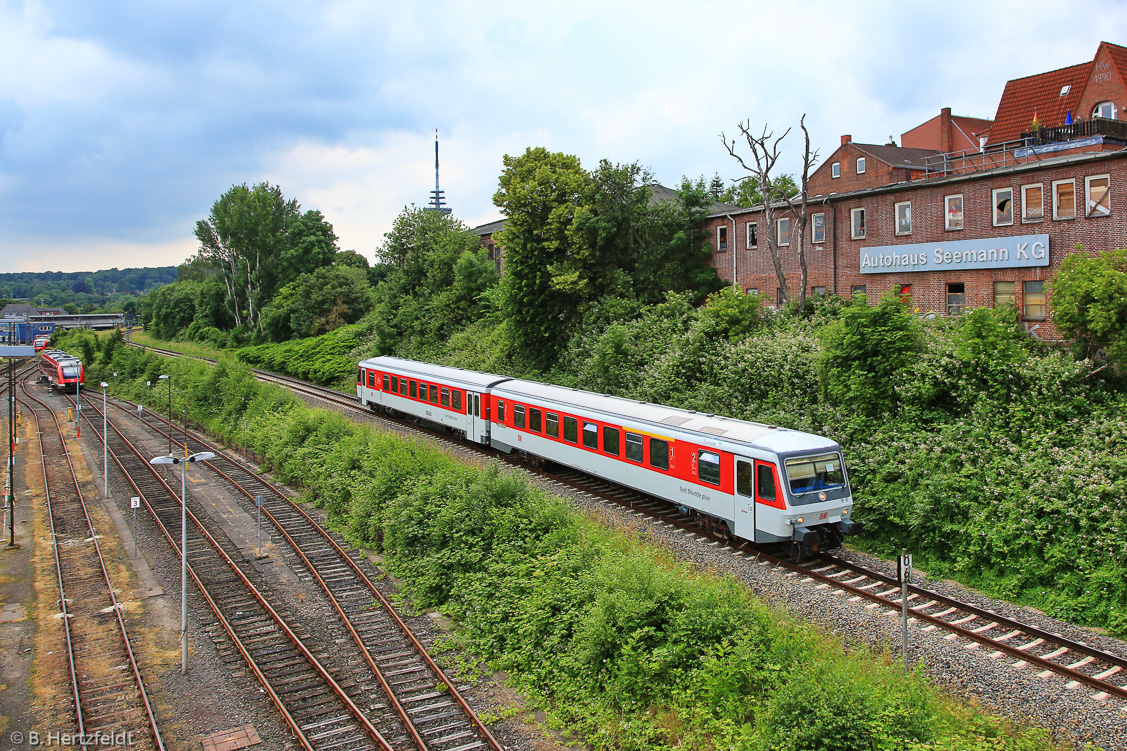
pixel 835 263
pixel 922 179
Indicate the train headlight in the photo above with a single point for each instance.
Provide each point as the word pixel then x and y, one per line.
pixel 800 520
pixel 845 512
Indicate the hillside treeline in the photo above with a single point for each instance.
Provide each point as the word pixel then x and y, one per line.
pixel 999 460
pixel 111 290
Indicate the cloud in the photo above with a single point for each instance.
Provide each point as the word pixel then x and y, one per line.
pixel 122 121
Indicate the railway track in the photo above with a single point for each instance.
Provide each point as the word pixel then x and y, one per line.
pixel 433 716
pixel 319 710
pixel 997 636
pixel 107 688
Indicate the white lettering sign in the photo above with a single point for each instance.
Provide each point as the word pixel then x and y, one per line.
pixel 992 253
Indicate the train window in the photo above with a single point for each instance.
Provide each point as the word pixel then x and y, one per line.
pixel 634 447
pixel 553 425
pixel 433 394
pixel 810 474
pixel 456 400
pixel 423 391
pixel 359 375
pixel 414 390
pixel 476 405
pixel 403 386
pixel 610 440
pixel 371 379
pixel 659 453
pixel 395 383
pixel 591 435
pixel 534 420
pixel 765 482
pixel 571 429
pixel 708 467
pixel 500 411
pixel 743 478
pixel 518 415
pixel 444 399
pixel 385 382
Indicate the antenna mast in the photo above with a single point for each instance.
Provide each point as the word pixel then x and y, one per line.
pixel 437 201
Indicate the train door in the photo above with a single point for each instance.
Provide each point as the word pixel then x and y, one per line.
pixel 479 426
pixel 745 500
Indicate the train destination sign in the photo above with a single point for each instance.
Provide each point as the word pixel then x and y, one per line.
pixel 958 255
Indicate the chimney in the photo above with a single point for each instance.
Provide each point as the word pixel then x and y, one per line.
pixel 945 144
pixel 847 139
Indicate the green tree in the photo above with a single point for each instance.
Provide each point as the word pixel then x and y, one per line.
pixel 351 258
pixel 546 281
pixel 1089 297
pixel 259 241
pixel 318 302
pixel 745 193
pixel 675 255
pixel 863 351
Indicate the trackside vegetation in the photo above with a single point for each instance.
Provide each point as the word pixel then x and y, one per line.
pixel 619 644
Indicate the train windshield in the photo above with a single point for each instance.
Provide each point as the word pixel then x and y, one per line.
pixel 70 371
pixel 811 474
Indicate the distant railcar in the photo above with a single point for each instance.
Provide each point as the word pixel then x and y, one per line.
pixel 63 371
pixel 758 482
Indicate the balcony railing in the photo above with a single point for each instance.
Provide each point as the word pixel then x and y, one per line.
pixel 1080 129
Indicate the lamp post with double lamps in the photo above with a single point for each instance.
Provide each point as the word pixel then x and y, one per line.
pixel 105 444
pixel 163 377
pixel 187 461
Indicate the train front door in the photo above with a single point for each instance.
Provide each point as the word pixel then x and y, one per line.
pixel 745 500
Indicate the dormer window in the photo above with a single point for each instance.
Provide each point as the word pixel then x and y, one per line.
pixel 835 170
pixel 1065 89
pixel 1105 110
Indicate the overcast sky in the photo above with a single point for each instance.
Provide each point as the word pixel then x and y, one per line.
pixel 122 122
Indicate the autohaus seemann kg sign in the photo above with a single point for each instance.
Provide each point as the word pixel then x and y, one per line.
pixel 986 253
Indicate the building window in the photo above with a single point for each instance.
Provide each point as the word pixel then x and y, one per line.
pixel 956 298
pixel 860 165
pixel 1098 197
pixel 752 235
pixel 1065 89
pixel 857 224
pixel 1032 203
pixel 784 231
pixel 1003 206
pixel 1033 301
pixel 1064 199
pixel 1003 293
pixel 721 238
pixel 818 291
pixel 857 290
pixel 818 229
pixel 1105 110
pixel 835 170
pixel 904 218
pixel 753 291
pixel 953 215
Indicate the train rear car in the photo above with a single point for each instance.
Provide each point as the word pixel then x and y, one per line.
pixel 453 398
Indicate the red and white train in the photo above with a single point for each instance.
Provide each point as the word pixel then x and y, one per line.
pixel 62 370
pixel 758 482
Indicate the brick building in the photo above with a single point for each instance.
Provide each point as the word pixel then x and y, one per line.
pixel 966 211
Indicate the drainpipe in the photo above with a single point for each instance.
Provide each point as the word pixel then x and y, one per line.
pixel 833 244
pixel 735 279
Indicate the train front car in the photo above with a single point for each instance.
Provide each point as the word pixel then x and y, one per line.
pixel 758 482
pixel 812 503
pixel 62 370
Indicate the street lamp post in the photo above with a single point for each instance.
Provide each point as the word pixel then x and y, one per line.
pixel 186 461
pixel 169 411
pixel 105 445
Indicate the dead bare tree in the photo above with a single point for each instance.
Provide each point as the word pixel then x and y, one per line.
pixel 764 155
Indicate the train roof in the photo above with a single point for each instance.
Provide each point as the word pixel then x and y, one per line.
pixel 459 376
pixel 708 428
